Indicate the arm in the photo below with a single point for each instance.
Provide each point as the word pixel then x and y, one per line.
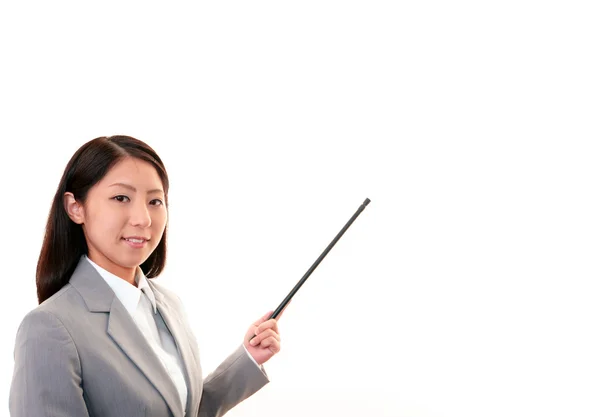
pixel 47 373
pixel 242 374
pixel 236 379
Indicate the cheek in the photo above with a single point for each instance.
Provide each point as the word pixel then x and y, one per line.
pixel 105 228
pixel 159 221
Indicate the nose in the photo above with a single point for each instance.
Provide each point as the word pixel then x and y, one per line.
pixel 139 215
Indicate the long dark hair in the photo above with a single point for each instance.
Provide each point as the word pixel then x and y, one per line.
pixel 64 241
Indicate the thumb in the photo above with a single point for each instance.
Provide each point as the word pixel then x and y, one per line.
pixel 263 318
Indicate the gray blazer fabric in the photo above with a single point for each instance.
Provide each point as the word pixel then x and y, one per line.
pixel 80 354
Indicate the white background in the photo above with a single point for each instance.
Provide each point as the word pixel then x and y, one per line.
pixel 469 286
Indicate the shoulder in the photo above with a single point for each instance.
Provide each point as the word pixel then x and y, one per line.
pixel 66 301
pixel 43 334
pixel 40 322
pixel 48 311
pixel 51 315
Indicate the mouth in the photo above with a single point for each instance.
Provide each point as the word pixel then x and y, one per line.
pixel 136 241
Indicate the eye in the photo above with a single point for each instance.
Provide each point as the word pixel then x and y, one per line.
pixel 120 198
pixel 156 202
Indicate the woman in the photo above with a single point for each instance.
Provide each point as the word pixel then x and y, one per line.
pixel 106 340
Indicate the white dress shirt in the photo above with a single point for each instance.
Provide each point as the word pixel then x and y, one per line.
pixel 144 313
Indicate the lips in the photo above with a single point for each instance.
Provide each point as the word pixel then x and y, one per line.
pixel 136 242
pixel 136 239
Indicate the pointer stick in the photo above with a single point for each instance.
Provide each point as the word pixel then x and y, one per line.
pixel 317 262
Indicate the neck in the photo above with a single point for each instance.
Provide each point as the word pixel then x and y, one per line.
pixel 125 273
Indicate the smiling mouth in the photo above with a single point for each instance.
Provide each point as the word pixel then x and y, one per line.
pixel 136 240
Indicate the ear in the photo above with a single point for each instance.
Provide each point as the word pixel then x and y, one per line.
pixel 73 207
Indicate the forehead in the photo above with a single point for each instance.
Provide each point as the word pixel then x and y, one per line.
pixel 135 172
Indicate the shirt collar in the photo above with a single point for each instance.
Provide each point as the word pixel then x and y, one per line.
pixel 127 294
pixel 143 285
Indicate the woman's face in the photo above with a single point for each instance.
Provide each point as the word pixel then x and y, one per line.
pixel 123 218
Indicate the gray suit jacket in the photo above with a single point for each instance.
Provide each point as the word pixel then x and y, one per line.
pixel 79 354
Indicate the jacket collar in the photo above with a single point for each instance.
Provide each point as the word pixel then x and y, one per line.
pixel 96 293
pixel 100 298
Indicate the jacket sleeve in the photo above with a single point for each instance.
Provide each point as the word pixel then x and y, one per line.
pixel 47 372
pixel 236 379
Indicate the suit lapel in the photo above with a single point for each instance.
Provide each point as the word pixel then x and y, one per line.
pixel 125 333
pixel 100 298
pixel 177 329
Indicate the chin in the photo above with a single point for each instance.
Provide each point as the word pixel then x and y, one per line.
pixel 133 262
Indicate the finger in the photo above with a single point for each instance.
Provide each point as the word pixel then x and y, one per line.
pixel 269 333
pixel 252 330
pixel 271 343
pixel 256 340
pixel 269 324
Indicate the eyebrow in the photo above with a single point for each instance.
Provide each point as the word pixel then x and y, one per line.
pixel 132 188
